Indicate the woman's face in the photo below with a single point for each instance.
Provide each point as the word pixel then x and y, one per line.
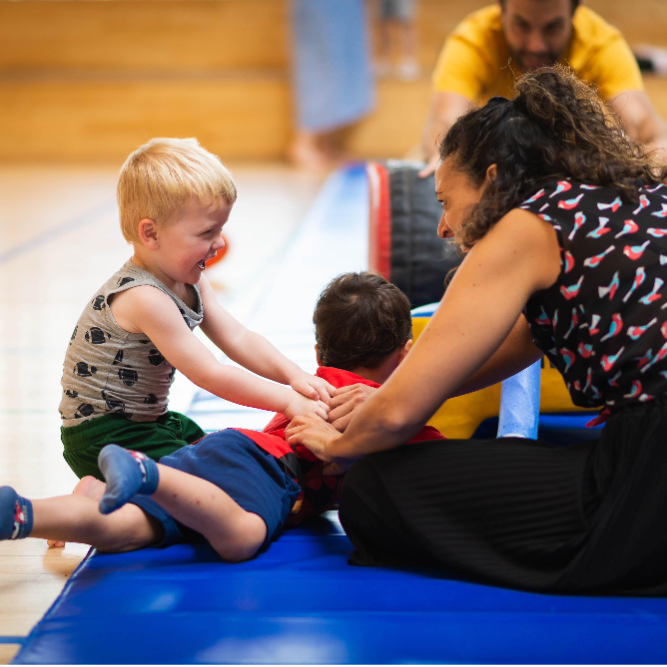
pixel 458 195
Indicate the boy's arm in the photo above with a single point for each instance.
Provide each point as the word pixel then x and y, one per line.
pixel 253 351
pixel 150 311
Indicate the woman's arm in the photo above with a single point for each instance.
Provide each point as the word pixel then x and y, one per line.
pixel 517 258
pixel 515 353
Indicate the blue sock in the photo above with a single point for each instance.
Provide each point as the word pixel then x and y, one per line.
pixel 127 473
pixel 15 515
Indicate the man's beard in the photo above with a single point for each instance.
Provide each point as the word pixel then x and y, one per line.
pixel 548 59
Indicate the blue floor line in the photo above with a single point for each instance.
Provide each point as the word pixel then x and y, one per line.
pixel 65 227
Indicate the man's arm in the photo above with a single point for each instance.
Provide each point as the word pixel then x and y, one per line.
pixel 446 108
pixel 459 78
pixel 615 72
pixel 641 121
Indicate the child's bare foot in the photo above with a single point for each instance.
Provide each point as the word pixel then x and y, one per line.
pixel 86 486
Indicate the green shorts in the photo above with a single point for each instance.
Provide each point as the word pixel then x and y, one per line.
pixel 156 439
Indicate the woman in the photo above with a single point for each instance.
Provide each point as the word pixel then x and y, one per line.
pixel 562 218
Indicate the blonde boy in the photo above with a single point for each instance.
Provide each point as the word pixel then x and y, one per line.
pixel 137 329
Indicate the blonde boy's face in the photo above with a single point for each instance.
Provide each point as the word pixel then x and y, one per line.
pixel 185 244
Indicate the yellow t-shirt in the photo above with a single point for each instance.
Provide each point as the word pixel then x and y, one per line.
pixel 475 60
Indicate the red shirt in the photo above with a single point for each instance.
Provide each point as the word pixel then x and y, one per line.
pixel 318 492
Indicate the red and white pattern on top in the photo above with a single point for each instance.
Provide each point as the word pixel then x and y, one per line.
pixel 603 324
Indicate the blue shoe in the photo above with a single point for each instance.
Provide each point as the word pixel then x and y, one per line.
pixel 127 474
pixel 15 515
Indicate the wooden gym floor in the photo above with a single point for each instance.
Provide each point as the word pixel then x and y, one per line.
pixel 67 97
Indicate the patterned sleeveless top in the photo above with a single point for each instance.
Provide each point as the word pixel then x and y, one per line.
pixel 108 369
pixel 603 324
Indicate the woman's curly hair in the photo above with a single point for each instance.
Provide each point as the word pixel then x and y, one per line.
pixel 556 127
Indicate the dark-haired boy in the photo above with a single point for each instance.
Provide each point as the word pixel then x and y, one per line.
pixel 236 487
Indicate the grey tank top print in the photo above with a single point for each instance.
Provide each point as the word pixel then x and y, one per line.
pixel 110 370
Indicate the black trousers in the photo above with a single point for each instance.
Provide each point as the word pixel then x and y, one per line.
pixel 588 518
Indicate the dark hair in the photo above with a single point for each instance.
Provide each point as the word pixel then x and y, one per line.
pixel 556 127
pixel 360 319
pixel 574 3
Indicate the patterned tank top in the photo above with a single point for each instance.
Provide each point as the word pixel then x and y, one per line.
pixel 603 324
pixel 108 369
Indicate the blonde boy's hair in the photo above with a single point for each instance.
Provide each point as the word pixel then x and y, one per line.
pixel 159 179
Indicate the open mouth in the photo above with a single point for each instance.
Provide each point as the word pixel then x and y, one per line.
pixel 202 264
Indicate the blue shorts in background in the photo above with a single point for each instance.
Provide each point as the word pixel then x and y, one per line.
pixel 234 463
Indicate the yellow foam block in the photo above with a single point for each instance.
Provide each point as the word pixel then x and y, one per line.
pixel 460 417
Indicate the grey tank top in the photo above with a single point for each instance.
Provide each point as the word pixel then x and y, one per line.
pixel 108 369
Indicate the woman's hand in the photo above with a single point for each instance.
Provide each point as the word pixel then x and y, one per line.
pixel 345 403
pixel 315 434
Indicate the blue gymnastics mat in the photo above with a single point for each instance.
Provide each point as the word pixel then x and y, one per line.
pixel 301 603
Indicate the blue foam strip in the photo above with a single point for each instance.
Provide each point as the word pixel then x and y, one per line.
pixel 520 404
pixel 301 603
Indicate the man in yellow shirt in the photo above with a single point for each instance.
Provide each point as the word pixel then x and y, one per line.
pixel 495 45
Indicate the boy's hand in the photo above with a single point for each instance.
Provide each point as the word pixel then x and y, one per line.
pixel 313 387
pixel 300 405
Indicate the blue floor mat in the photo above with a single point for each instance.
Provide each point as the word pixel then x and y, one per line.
pixel 301 602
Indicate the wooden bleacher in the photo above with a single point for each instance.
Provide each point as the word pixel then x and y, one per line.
pixel 89 81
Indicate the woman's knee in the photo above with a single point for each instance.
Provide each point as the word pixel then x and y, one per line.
pixel 361 486
pixel 363 503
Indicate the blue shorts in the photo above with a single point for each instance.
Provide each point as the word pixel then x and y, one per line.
pixel 252 477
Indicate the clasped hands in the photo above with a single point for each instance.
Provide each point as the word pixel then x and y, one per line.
pixel 319 436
